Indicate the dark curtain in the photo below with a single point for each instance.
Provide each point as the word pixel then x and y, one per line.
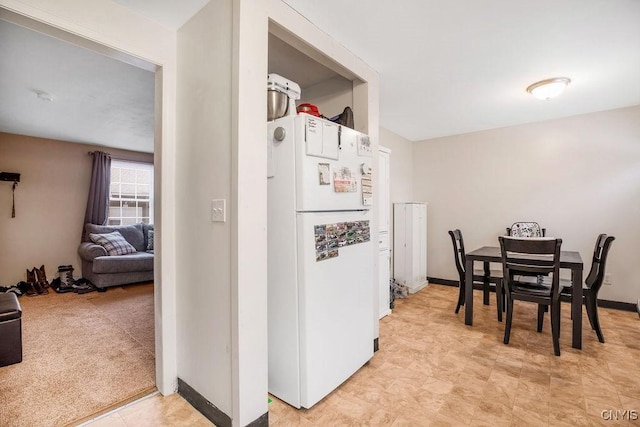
pixel 98 202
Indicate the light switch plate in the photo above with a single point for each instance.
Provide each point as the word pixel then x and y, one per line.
pixel 218 210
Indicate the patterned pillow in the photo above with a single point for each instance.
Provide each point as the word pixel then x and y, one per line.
pixel 526 229
pixel 150 240
pixel 114 243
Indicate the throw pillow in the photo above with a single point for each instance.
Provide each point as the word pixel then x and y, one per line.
pixel 150 240
pixel 113 243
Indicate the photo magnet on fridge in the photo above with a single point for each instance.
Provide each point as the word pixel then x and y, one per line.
pixel 324 173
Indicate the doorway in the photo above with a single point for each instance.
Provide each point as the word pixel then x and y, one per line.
pixel 45 328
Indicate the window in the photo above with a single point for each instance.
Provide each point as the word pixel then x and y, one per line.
pixel 131 195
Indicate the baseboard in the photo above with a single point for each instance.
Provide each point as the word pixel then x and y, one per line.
pixel 386 313
pixel 445 282
pixel 616 305
pixel 206 408
pixel 262 421
pixel 418 288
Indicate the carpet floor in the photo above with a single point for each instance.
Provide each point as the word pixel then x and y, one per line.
pixel 83 354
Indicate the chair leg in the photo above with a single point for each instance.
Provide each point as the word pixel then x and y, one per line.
pixel 541 310
pixel 460 297
pixel 507 326
pixel 587 304
pixel 592 306
pixel 499 299
pixel 555 327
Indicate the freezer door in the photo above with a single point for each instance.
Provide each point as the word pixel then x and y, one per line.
pixel 333 166
pixel 336 299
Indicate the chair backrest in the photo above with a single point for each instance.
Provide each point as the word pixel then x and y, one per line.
pixel 596 274
pixel 458 251
pixel 531 256
pixel 525 229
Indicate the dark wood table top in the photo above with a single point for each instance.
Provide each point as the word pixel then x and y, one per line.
pixel 568 259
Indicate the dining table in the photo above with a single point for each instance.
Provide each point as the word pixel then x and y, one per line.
pixel 570 260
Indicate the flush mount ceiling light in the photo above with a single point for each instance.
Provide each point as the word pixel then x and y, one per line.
pixel 549 88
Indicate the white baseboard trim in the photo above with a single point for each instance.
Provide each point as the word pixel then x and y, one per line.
pixel 385 313
pixel 413 290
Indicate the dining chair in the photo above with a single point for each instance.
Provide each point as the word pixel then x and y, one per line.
pixel 479 276
pixel 532 256
pixel 592 283
pixel 526 229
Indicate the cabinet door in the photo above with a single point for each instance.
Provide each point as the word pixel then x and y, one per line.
pixel 423 241
pixel 383 264
pixel 399 244
pixel 383 191
pixel 417 230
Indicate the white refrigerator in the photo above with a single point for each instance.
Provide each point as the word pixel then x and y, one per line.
pixel 321 258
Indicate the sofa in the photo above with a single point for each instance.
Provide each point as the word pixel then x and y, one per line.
pixel 103 269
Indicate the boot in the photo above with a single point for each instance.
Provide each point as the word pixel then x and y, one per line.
pixel 42 277
pixel 66 277
pixel 36 283
pixel 30 288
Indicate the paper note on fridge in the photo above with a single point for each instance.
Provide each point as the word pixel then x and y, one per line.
pixel 344 182
pixel 322 138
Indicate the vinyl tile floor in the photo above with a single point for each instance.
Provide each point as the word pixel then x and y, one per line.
pixel 433 370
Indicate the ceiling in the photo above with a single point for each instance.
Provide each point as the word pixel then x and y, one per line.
pixel 445 67
pixel 168 13
pixel 90 98
pixel 461 66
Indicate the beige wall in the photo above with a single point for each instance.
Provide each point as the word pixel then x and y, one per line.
pixel 330 96
pixel 577 176
pixel 50 203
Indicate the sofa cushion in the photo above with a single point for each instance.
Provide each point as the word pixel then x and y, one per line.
pixel 146 228
pixel 150 240
pixel 114 243
pixel 132 233
pixel 139 261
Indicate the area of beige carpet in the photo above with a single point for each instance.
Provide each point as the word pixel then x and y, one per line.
pixel 82 354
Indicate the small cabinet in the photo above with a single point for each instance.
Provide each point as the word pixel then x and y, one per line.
pixel 410 245
pixel 384 213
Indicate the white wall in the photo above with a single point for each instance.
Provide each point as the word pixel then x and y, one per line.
pixel 401 165
pixel 400 173
pixel 249 200
pixel 221 302
pixel 51 199
pixel 204 172
pixel 577 176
